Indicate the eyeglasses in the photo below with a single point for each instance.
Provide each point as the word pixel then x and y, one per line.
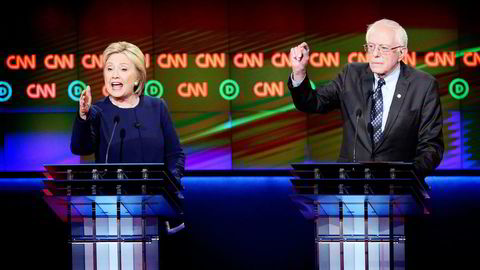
pixel 370 48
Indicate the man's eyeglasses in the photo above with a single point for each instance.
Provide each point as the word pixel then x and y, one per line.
pixel 370 48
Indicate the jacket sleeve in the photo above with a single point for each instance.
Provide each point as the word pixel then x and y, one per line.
pixel 174 155
pixel 321 100
pixel 430 144
pixel 84 135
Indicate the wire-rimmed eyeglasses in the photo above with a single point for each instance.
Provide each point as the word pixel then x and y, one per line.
pixel 370 48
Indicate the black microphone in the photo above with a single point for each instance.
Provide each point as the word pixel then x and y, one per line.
pixel 116 119
pixel 358 114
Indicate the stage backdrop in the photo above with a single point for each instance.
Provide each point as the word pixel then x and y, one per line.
pixel 222 68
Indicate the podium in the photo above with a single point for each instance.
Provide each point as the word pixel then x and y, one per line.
pixel 116 212
pixel 359 211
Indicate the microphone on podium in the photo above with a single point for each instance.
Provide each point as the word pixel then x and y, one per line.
pixel 358 113
pixel 116 119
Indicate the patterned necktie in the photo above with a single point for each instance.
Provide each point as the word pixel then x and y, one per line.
pixel 377 112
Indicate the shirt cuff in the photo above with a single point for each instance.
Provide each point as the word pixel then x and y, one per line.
pixel 296 83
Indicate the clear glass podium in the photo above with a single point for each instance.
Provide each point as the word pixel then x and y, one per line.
pixel 359 211
pixel 116 212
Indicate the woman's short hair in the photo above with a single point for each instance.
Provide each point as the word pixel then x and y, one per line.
pixel 135 55
pixel 400 33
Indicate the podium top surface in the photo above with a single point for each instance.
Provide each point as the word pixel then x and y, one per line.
pixel 105 166
pixel 356 174
pixel 347 165
pixel 99 171
pixel 357 170
pixel 364 181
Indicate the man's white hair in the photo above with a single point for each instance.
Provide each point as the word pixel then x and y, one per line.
pixel 400 33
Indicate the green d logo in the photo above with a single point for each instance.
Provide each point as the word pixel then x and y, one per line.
pixel 458 88
pixel 154 88
pixel 229 89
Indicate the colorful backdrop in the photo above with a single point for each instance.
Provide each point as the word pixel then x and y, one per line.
pixel 222 67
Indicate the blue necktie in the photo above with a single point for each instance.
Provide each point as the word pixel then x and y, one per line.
pixel 377 112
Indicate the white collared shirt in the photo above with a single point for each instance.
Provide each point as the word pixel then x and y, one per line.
pixel 388 90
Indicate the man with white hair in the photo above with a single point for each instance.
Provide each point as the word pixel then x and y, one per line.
pixel 394 108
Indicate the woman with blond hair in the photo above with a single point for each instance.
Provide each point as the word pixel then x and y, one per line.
pixel 126 126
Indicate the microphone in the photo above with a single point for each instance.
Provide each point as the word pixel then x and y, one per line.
pixel 137 124
pixel 116 119
pixel 358 113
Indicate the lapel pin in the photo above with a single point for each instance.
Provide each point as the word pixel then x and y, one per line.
pixel 399 96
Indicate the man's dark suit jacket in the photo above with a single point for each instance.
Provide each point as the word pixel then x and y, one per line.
pixel 413 132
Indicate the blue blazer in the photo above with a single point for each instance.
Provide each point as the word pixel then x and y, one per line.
pixel 144 134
